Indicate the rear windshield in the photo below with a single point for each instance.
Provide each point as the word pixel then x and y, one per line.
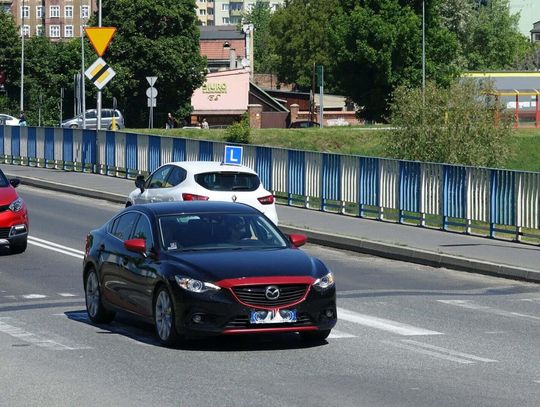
pixel 228 181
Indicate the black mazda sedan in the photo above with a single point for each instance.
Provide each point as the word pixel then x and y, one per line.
pixel 206 268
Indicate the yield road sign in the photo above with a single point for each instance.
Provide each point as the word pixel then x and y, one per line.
pixel 100 37
pixel 151 92
pixel 151 80
pixel 100 73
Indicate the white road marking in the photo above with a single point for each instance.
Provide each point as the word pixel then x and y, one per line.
pixel 383 324
pixel 335 334
pixel 483 308
pixel 34 339
pixel 429 353
pixel 55 247
pixel 67 295
pixel 448 351
pixel 33 296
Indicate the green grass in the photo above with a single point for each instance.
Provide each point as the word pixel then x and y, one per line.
pixel 366 141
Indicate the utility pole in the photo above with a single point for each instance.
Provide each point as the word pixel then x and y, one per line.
pixel 423 51
pixel 22 56
pixel 99 91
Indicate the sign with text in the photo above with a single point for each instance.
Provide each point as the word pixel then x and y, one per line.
pixel 233 155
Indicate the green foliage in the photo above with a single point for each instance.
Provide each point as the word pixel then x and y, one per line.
pixel 460 124
pixel 260 16
pixel 239 132
pixel 154 38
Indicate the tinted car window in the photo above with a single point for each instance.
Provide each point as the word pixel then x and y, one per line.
pixel 228 181
pixel 123 225
pixel 143 231
pixel 3 180
pixel 159 177
pixel 91 115
pixel 176 176
pixel 106 113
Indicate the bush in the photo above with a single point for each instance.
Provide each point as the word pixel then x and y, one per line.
pixel 460 124
pixel 239 132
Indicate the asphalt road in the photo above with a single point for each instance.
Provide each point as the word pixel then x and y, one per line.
pixel 408 335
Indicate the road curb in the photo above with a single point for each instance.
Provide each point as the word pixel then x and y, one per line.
pixel 386 250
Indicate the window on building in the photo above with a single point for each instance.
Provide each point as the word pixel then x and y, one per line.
pixel 26 30
pixel 225 20
pixel 202 12
pixel 25 12
pixel 54 31
pixel 68 12
pixel 225 7
pixel 54 11
pixel 39 30
pixel 85 11
pixel 39 12
pixel 537 37
pixel 68 31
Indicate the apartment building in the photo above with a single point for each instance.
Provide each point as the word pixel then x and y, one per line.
pixel 227 12
pixel 529 14
pixel 56 19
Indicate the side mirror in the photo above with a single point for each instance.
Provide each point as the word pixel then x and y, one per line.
pixel 14 182
pixel 136 245
pixel 298 240
pixel 139 182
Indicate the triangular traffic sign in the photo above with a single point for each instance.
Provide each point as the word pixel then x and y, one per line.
pixel 100 37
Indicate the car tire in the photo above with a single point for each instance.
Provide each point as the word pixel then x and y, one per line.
pixel 19 247
pixel 94 306
pixel 315 336
pixel 165 318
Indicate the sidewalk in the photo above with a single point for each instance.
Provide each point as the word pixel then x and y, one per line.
pixel 384 239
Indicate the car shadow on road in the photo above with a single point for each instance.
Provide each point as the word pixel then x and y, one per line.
pixel 142 332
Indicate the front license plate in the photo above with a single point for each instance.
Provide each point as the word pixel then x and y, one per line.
pixel 272 317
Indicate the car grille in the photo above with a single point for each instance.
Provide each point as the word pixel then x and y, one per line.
pixel 4 233
pixel 255 295
pixel 242 322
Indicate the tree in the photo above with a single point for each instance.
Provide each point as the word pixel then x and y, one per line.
pixel 10 61
pixel 153 38
pixel 459 124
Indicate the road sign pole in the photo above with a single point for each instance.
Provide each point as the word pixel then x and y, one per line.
pixel 99 91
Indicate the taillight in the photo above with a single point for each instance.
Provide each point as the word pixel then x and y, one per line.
pixel 193 197
pixel 266 200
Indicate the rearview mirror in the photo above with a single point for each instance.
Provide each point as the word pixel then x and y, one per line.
pixel 298 240
pixel 14 182
pixel 139 182
pixel 136 245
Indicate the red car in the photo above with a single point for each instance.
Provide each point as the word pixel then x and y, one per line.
pixel 13 216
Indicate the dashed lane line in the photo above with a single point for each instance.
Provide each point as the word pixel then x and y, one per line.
pixel 46 244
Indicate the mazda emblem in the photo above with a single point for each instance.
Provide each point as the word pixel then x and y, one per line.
pixel 272 292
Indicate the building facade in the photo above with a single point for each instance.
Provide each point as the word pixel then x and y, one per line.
pixel 529 13
pixel 56 19
pixel 228 12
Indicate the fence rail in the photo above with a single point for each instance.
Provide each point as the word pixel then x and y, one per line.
pixel 462 198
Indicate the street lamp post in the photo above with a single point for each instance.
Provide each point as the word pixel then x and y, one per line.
pixel 99 91
pixel 22 56
pixel 423 51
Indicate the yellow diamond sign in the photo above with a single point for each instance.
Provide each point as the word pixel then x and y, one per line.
pixel 100 73
pixel 100 37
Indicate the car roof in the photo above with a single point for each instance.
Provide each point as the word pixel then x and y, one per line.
pixel 193 207
pixel 210 166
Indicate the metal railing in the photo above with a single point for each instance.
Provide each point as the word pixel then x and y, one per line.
pixel 460 198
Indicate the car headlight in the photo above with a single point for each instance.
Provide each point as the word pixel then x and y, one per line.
pixel 195 286
pixel 324 282
pixel 16 205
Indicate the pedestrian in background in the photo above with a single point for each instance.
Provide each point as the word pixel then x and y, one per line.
pixel 22 119
pixel 171 122
pixel 204 124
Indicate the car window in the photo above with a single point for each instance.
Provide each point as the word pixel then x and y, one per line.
pixel 3 180
pixel 176 176
pixel 91 115
pixel 213 231
pixel 106 113
pixel 159 177
pixel 143 231
pixel 123 225
pixel 228 181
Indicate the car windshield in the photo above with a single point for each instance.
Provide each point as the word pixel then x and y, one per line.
pixel 228 181
pixel 213 231
pixel 3 180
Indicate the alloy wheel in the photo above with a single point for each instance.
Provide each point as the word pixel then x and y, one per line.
pixel 163 315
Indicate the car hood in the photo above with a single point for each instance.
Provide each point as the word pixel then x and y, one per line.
pixel 7 195
pixel 214 266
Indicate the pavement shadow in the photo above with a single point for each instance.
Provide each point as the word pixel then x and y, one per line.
pixel 143 332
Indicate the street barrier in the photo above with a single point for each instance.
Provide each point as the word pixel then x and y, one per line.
pixel 451 197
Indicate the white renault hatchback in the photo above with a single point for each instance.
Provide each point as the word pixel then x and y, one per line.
pixel 206 181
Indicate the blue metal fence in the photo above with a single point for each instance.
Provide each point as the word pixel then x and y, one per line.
pixel 503 200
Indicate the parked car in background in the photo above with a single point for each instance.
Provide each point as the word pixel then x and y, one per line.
pixel 302 124
pixel 205 269
pixel 91 120
pixel 204 181
pixel 13 216
pixel 7 120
